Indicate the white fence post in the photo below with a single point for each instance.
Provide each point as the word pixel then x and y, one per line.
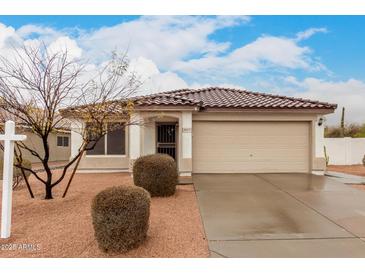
pixel 348 150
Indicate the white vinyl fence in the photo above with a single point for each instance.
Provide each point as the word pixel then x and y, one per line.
pixel 345 151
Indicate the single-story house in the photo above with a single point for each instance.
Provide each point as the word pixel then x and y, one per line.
pixel 216 130
pixel 59 143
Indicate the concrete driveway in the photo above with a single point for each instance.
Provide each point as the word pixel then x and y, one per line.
pixel 281 215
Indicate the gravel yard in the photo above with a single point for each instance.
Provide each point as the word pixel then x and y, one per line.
pixel 358 170
pixel 63 228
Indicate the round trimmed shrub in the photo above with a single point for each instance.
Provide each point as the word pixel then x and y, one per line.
pixel 157 173
pixel 120 217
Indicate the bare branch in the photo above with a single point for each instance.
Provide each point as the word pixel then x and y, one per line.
pixel 37 86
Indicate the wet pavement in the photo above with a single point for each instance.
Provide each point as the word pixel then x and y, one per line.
pixel 281 215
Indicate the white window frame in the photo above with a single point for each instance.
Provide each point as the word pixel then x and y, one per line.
pixel 106 145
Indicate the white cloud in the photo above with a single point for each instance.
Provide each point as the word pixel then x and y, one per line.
pixel 303 35
pixel 223 85
pixel 32 36
pixel 6 33
pixel 27 30
pixel 143 66
pixel 65 44
pixel 263 53
pixel 153 80
pixel 163 39
pixel 349 94
pixel 231 20
pixel 171 42
pixel 162 48
pixel 164 82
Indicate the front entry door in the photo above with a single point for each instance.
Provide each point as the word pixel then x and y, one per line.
pixel 166 138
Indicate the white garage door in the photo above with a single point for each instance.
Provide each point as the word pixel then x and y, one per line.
pixel 250 147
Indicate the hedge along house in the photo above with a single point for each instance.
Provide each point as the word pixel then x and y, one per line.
pixel 216 130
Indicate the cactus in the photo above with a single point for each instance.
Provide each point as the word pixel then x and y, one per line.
pixel 327 157
pixel 343 122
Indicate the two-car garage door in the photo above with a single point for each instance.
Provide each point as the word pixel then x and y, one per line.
pixel 250 147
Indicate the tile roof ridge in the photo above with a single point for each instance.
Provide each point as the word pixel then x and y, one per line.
pixel 177 94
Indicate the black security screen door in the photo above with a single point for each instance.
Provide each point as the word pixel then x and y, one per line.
pixel 166 139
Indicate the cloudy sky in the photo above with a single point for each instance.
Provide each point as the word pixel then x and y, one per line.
pixel 317 57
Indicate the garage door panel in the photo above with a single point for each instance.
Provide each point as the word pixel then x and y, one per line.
pixel 254 140
pixel 249 167
pixel 292 145
pixel 259 155
pixel 253 130
pixel 220 147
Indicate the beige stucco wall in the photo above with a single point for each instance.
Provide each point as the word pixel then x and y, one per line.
pixel 107 162
pixel 34 142
pixel 104 162
pixel 148 139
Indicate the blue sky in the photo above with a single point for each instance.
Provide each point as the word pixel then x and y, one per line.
pixel 318 57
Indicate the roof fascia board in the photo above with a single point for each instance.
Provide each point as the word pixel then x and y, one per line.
pixel 314 111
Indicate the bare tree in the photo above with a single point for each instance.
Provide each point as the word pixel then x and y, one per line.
pixel 37 86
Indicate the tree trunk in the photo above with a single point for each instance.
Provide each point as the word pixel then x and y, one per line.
pixel 47 169
pixel 48 192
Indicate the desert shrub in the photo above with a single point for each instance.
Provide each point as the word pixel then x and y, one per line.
pixel 332 132
pixel 157 173
pixel 361 132
pixel 351 130
pixel 120 217
pixel 17 173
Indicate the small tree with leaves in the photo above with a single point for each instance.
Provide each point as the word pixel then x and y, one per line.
pixel 36 84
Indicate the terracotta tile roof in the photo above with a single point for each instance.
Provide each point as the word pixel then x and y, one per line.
pixel 216 97
pixel 165 98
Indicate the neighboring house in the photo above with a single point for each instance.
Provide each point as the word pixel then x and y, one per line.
pixel 59 143
pixel 216 130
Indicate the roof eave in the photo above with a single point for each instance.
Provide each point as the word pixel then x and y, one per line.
pixel 268 110
pixel 166 108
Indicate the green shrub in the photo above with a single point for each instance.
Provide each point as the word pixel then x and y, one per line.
pixel 363 160
pixel 120 217
pixel 156 173
pixel 352 130
pixel 17 173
